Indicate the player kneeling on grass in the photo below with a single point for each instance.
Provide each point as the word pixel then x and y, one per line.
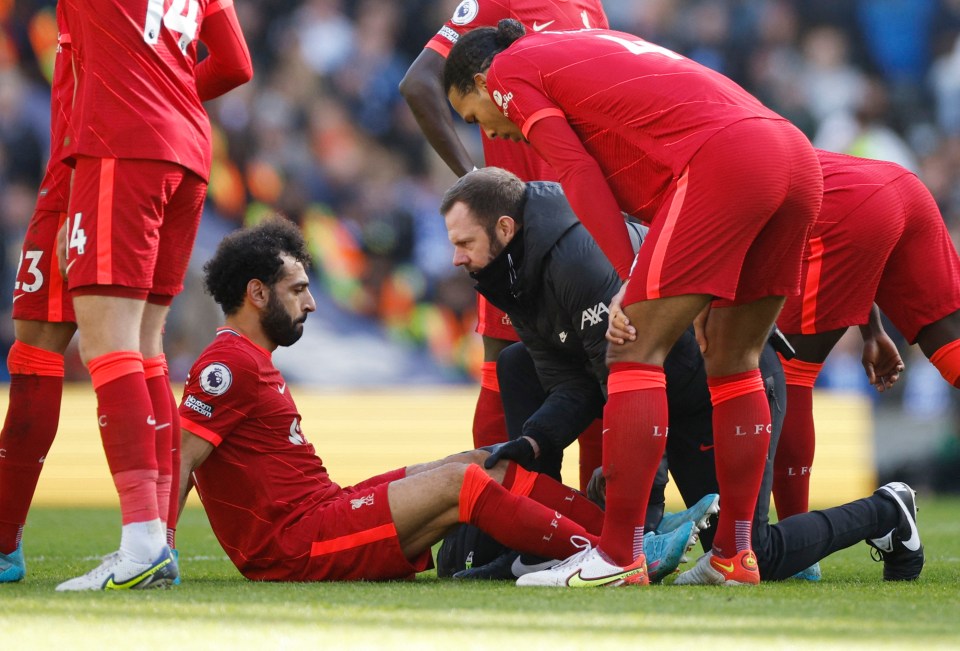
pixel 270 502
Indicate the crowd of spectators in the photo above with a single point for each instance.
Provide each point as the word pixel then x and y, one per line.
pixel 322 134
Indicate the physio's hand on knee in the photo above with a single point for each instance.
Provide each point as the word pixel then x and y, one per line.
pixel 619 330
pixel 522 450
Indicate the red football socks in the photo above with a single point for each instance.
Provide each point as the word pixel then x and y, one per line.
pixel 517 522
pixel 947 361
pixel 741 435
pixel 36 378
pixel 174 513
pixel 158 386
pixel 559 497
pixel 127 428
pixel 634 438
pixel 591 451
pixel 795 449
pixel 489 425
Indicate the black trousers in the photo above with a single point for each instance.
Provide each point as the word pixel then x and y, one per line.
pixel 782 549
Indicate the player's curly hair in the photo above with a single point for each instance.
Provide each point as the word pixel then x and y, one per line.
pixel 474 53
pixel 252 253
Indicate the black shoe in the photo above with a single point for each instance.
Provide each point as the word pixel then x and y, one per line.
pixel 499 569
pixel 900 550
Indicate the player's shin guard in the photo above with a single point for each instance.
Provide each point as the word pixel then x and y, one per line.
pixel 551 493
pixel 33 413
pixel 634 438
pixel 489 424
pixel 518 522
pixel 741 434
pixel 795 449
pixel 947 361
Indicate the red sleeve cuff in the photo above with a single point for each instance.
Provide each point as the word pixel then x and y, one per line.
pixel 196 429
pixel 440 48
pixel 539 115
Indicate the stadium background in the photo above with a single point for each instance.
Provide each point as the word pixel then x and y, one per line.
pixel 386 370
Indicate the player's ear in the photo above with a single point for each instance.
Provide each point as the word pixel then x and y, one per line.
pixel 480 80
pixel 258 293
pixel 507 227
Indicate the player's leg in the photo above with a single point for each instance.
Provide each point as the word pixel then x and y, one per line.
pixel 525 483
pixel 426 505
pixel 43 323
pixel 158 385
pixel 497 333
pixel 795 451
pixel 804 539
pixel 109 271
pixel 636 418
pixel 940 342
pixel 742 422
pixel 35 363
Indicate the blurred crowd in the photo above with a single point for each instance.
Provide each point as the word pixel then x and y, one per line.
pixel 322 134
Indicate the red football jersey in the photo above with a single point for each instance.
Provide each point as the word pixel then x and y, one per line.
pixel 55 187
pixel 262 473
pixel 639 110
pixel 136 91
pixel 536 16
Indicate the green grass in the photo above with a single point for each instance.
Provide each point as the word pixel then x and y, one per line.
pixel 216 608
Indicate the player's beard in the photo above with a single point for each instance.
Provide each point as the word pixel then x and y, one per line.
pixel 277 324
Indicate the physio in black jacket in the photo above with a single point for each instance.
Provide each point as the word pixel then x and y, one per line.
pixel 531 257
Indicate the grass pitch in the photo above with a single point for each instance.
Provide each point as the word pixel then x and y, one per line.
pixel 216 608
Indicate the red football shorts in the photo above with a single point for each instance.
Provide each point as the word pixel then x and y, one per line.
pixel 132 224
pixel 352 537
pixel 494 322
pixel 39 293
pixel 886 245
pixel 736 222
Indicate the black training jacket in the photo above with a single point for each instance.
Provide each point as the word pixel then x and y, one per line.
pixel 555 283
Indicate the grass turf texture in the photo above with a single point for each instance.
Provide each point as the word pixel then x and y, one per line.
pixel 216 608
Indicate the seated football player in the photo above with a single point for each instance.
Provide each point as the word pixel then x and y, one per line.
pixel 271 504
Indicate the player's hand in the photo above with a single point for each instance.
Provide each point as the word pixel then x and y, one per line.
pixel 700 328
pixel 522 450
pixel 619 330
pixel 597 488
pixel 881 361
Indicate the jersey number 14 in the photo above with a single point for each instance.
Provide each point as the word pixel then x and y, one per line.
pixel 181 18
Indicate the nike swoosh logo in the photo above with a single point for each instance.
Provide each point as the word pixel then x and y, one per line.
pixel 577 581
pixel 519 568
pixel 539 28
pixel 721 566
pixel 140 578
pixel 913 542
pixel 706 448
pixel 151 420
pixel 283 387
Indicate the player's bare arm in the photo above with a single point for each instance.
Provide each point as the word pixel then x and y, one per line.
pixel 422 88
pixel 193 452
